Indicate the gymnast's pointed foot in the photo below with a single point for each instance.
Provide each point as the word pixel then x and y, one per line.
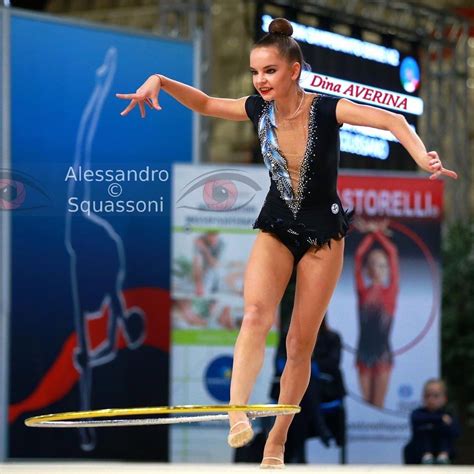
pixel 240 433
pixel 273 456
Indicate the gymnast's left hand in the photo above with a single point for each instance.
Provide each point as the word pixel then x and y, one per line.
pixel 436 167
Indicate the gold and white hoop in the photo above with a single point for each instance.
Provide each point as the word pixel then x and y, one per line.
pixel 110 417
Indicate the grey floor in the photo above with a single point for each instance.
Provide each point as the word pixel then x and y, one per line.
pixel 119 468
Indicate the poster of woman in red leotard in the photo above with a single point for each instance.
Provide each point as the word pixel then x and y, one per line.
pixel 377 282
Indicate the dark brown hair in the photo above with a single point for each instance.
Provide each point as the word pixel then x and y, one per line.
pixel 279 35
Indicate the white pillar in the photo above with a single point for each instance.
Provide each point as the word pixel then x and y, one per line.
pixel 5 164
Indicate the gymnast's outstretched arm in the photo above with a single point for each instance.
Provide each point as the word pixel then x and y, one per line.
pixel 191 97
pixel 368 116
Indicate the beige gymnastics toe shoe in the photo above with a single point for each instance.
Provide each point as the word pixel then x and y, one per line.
pixel 268 465
pixel 242 437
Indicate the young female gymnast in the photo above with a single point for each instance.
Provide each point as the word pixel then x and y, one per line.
pixel 302 221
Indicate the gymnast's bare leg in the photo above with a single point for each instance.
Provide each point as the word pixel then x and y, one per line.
pixel 267 274
pixel 316 279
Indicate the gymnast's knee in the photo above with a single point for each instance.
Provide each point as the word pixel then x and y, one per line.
pixel 257 319
pixel 299 348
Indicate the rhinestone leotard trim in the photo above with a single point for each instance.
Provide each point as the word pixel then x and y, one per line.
pixel 276 162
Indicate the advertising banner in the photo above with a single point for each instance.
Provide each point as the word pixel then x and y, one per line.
pixel 89 196
pixel 386 308
pixel 372 73
pixel 214 208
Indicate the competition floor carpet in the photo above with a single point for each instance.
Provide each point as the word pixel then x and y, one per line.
pixel 123 468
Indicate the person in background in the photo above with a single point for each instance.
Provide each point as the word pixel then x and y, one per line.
pixel 377 257
pixel 434 428
pixel 331 387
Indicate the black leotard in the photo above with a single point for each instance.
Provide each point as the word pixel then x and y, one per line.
pixel 314 215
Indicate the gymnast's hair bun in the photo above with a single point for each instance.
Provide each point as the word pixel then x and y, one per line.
pixel 280 26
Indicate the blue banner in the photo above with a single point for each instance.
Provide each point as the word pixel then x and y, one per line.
pixel 89 195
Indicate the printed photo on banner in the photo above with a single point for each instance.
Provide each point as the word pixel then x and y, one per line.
pixel 206 264
pixel 214 208
pixel 387 305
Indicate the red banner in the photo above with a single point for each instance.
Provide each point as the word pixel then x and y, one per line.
pixel 400 197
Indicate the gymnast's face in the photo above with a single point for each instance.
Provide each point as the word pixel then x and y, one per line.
pixel 273 76
pixel 377 266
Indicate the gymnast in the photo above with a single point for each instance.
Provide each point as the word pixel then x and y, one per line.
pixel 302 222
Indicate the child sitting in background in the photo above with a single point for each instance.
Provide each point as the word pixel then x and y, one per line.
pixel 434 428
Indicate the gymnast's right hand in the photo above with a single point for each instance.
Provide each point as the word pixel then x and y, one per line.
pixel 147 94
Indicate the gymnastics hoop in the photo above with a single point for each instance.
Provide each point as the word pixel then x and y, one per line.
pixel 109 417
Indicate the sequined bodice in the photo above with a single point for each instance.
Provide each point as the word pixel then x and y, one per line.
pixel 292 137
pixel 302 160
pixel 277 163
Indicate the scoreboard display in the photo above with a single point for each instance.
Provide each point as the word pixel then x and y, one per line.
pixel 364 72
